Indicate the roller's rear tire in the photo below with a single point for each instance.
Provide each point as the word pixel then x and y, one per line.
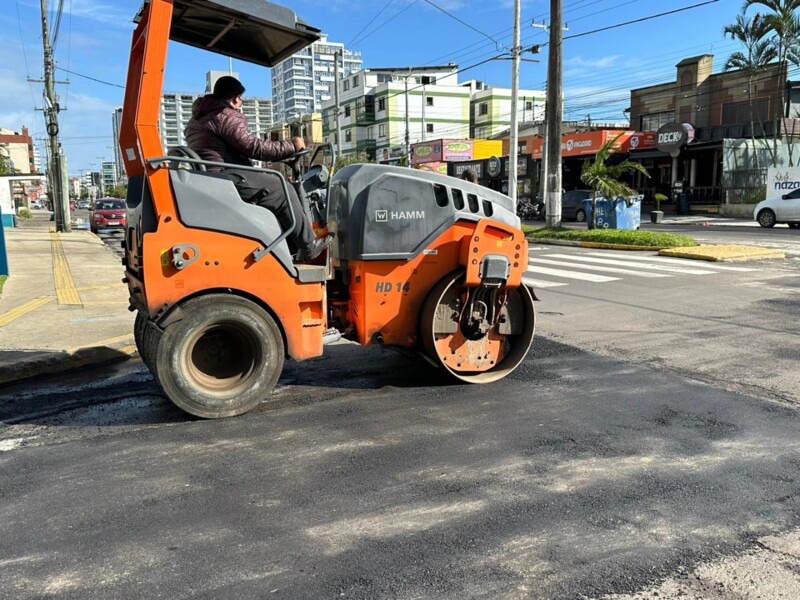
pixel 222 358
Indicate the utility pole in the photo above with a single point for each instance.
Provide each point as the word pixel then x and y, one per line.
pixel 408 133
pixel 336 102
pixel 553 117
pixel 514 134
pixel 55 166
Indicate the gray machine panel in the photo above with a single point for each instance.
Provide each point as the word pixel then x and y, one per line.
pixel 382 212
pixel 210 201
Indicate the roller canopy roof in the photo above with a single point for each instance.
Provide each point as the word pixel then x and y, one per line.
pixel 255 31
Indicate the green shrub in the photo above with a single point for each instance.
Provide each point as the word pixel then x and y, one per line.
pixel 24 213
pixel 612 236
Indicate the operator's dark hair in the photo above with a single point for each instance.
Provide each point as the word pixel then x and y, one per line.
pixel 469 175
pixel 227 88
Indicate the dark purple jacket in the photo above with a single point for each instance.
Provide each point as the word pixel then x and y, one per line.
pixel 219 133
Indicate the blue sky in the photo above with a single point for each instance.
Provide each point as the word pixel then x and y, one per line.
pixel 599 69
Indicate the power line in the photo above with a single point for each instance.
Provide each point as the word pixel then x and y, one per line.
pixel 671 12
pixel 464 23
pixel 379 13
pixel 91 78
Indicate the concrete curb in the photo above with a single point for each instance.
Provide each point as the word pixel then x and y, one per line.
pixel 53 362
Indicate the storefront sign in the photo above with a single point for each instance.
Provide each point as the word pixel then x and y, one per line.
pixel 671 137
pixel 457 151
pixel 493 167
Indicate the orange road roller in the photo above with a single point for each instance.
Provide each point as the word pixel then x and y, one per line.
pixel 419 261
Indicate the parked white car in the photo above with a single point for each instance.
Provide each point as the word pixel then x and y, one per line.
pixel 781 209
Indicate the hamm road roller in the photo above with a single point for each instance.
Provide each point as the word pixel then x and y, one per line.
pixel 419 261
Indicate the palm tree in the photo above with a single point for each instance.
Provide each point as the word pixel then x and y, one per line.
pixel 605 179
pixel 784 22
pixel 760 52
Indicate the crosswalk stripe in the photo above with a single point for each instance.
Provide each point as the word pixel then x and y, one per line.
pixel 563 263
pixel 672 261
pixel 571 274
pixel 541 284
pixel 608 261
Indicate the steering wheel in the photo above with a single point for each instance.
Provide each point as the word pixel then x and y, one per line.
pixel 186 152
pixel 292 160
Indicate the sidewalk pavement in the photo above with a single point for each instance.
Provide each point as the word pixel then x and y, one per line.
pixel 63 305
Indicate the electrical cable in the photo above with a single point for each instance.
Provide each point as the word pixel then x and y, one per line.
pixel 355 37
pixel 90 78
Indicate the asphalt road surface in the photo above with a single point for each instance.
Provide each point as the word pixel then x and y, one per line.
pixel 647 447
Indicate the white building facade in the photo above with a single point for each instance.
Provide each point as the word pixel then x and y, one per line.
pixel 384 111
pixel 304 82
pixel 491 110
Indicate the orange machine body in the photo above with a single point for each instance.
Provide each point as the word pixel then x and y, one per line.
pixel 225 263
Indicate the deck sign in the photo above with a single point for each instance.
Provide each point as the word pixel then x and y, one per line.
pixel 671 137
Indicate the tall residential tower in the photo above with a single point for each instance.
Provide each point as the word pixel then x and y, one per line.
pixel 303 82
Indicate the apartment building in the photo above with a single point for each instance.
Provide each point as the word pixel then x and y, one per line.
pixel 491 109
pixel 17 146
pixel 384 111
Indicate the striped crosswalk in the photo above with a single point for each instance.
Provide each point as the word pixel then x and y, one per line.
pixel 550 269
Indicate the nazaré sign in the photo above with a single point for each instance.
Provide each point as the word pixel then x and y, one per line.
pixel 671 137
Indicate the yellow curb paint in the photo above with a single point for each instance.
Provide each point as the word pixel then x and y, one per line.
pixel 23 310
pixel 724 253
pixel 101 344
pixel 66 291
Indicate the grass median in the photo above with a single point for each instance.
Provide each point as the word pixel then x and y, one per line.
pixel 2 282
pixel 621 237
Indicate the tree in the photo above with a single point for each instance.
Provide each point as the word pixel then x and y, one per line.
pixel 604 179
pixel 760 52
pixel 116 191
pixel 5 166
pixel 784 23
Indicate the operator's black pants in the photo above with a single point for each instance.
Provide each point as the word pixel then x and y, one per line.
pixel 265 189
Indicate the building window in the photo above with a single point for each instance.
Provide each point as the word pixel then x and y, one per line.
pixel 381 131
pixel 355 80
pixel 346 85
pixel 483 108
pixel 428 127
pixel 370 133
pixel 429 101
pixel 348 136
pixel 654 121
pixel 528 105
pixel 347 111
pixel 382 104
pixel 480 133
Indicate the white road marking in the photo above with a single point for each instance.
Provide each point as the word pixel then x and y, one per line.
pixel 538 283
pixel 563 263
pixel 608 261
pixel 571 274
pixel 673 261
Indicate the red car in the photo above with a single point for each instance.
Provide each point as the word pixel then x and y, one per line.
pixel 108 213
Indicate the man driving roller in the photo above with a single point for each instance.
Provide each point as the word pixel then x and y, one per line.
pixel 218 132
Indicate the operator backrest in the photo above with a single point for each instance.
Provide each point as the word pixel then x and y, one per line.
pixel 210 201
pixel 382 212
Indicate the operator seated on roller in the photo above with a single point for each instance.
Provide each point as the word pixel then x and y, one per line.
pixel 218 132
